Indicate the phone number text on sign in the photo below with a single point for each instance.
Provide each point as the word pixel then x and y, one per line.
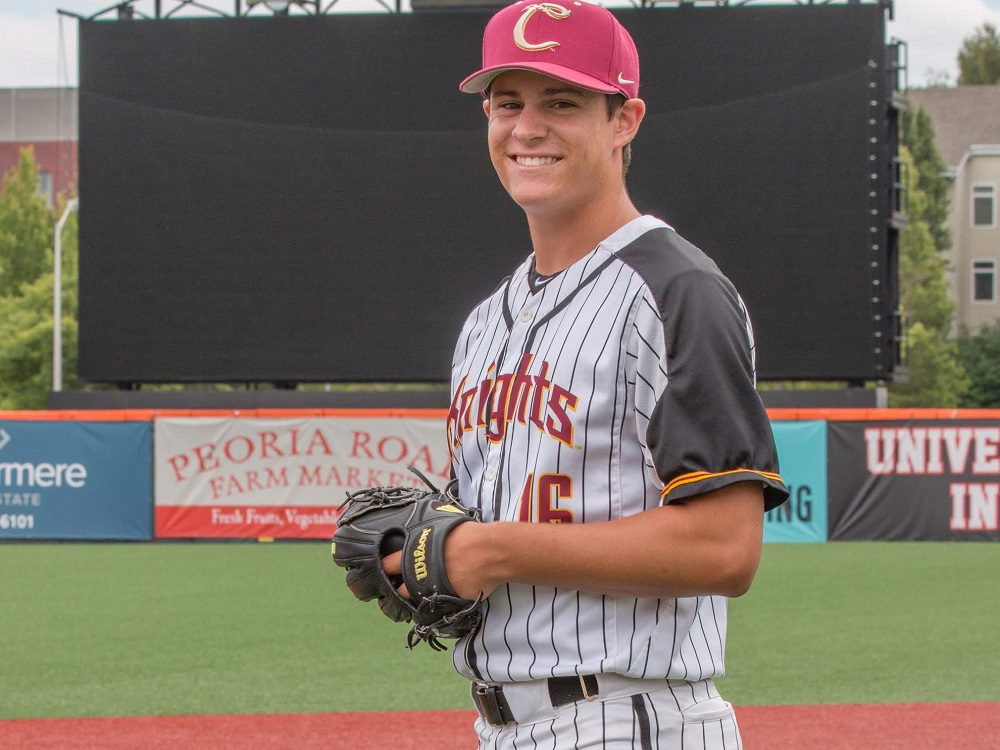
pixel 17 521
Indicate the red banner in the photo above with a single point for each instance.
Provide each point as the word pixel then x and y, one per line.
pixel 241 522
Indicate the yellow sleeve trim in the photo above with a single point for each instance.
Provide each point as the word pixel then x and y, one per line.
pixel 699 476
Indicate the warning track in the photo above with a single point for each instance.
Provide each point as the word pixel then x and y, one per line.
pixel 913 726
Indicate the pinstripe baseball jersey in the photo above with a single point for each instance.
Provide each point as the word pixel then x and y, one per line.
pixel 623 382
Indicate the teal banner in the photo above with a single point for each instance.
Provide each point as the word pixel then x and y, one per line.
pixel 76 480
pixel 802 460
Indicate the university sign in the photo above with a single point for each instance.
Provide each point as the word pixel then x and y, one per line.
pixel 915 480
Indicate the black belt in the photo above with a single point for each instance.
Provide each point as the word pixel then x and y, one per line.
pixel 495 710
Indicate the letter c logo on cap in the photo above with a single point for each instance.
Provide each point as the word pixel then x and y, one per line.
pixel 552 10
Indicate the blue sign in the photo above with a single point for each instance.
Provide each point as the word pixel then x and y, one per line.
pixel 802 460
pixel 76 480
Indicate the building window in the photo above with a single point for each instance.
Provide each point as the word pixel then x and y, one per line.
pixel 45 187
pixel 984 205
pixel 984 281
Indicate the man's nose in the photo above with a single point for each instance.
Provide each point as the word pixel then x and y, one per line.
pixel 530 124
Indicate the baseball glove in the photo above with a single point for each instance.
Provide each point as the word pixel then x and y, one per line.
pixel 381 520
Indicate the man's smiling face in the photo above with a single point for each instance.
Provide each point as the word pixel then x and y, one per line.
pixel 552 144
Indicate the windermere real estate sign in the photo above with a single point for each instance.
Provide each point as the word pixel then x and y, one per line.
pixel 75 480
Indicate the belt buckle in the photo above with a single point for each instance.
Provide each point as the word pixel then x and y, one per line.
pixel 583 687
pixel 491 703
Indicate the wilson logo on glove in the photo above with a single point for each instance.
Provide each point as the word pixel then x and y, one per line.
pixel 420 556
pixel 381 520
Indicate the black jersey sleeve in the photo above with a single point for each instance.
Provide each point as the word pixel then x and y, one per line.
pixel 708 427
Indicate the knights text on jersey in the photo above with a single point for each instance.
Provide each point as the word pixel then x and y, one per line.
pixel 621 383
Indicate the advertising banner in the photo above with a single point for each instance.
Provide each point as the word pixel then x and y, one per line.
pixel 933 480
pixel 75 480
pixel 802 461
pixel 283 478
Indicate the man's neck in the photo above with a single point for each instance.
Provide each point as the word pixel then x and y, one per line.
pixel 561 240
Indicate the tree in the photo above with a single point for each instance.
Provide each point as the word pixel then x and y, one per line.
pixel 937 79
pixel 26 287
pixel 979 57
pixel 936 378
pixel 923 287
pixel 26 334
pixel 979 354
pixel 25 225
pixel 917 135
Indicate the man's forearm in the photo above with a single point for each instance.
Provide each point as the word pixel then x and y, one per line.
pixel 709 545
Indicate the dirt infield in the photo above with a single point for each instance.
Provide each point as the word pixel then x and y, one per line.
pixel 914 726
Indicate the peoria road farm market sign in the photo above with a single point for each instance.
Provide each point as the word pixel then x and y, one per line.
pixel 231 477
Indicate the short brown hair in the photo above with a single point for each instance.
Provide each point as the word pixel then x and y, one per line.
pixel 614 103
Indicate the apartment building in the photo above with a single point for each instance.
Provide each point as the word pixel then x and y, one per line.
pixel 967 130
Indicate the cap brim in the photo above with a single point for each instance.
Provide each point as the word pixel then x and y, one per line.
pixel 480 81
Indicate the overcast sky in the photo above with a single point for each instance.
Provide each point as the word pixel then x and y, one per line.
pixel 38 45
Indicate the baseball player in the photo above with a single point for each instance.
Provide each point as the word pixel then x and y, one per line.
pixel 604 420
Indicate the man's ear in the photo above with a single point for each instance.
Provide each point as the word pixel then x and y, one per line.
pixel 629 118
pixel 486 107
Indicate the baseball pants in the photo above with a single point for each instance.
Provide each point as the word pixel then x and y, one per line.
pixel 676 716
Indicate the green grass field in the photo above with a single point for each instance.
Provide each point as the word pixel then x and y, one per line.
pixel 190 628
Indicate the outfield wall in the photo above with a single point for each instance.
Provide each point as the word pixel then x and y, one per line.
pixel 140 475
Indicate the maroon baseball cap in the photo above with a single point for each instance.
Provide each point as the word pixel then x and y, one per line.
pixel 572 40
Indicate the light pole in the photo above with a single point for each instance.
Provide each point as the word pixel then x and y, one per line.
pixel 72 205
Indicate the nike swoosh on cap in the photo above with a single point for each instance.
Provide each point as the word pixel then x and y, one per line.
pixel 624 81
